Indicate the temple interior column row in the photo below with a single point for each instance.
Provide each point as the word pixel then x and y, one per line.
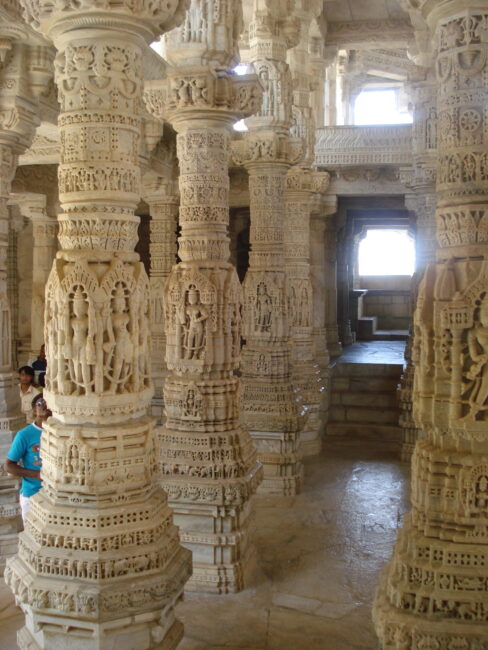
pixel 181 395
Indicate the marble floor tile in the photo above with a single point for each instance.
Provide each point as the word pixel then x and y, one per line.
pixel 319 557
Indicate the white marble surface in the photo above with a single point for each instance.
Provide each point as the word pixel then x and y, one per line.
pixel 319 557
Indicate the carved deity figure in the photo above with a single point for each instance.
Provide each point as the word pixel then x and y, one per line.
pixel 80 347
pixel 193 321
pixel 192 404
pixel 268 97
pixel 481 494
pixel 263 308
pixel 119 346
pixel 478 352
pixel 431 130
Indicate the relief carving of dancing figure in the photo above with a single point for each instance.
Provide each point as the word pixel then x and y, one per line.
pixel 80 346
pixel 193 319
pixel 119 348
pixel 478 372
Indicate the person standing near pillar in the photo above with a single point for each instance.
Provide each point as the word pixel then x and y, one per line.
pixel 25 449
pixel 99 561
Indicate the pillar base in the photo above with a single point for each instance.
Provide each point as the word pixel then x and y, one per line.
pixel 172 638
pixel 310 446
pixel 334 349
pixel 398 631
pixel 223 579
pixel 432 594
pixel 281 486
pixel 218 533
pixel 279 455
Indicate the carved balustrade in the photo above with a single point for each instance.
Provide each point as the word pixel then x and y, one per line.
pixel 337 146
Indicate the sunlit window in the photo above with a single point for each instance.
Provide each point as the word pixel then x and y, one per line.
pixel 379 107
pixel 386 252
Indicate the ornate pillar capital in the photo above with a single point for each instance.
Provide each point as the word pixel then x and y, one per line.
pixel 267 149
pixel 324 205
pixel 200 93
pixel 146 18
pixel 159 189
pixel 308 181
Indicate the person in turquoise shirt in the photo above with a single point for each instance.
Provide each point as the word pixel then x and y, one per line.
pixel 25 448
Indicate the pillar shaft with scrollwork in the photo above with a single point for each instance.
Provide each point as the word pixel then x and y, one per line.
pixel 323 277
pixel 301 185
pixel 433 592
pixel 163 202
pixel 422 203
pixel 207 461
pixel 99 562
pixel 44 232
pixel 269 406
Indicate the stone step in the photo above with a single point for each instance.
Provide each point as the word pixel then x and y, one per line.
pixel 376 399
pixel 389 435
pixel 362 385
pixel 345 369
pixel 390 335
pixel 366 327
pixel 364 415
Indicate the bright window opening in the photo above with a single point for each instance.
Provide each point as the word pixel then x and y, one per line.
pixel 386 252
pixel 379 107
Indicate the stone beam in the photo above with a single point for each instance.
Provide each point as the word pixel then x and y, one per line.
pixel 363 145
pixel 370 34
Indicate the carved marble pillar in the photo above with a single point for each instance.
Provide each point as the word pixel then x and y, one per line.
pixel 207 461
pixel 163 207
pixel 344 243
pixel 270 408
pixel 323 266
pixel 301 185
pixel 334 346
pixel 11 419
pixel 422 204
pixel 433 592
pixel 44 232
pixel 99 562
pixel 18 121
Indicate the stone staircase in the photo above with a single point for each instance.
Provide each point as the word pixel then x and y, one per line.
pixel 364 401
pixel 368 331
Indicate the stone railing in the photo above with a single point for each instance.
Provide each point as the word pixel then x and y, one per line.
pixel 364 145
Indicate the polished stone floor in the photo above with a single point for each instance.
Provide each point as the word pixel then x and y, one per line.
pixel 384 352
pixel 318 559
